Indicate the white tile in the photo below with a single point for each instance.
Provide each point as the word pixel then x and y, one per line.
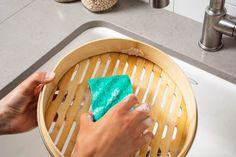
pixel 193 9
pixel 231 9
pixel 233 2
pixel 170 7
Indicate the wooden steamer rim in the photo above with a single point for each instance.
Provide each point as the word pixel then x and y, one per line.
pixel 146 51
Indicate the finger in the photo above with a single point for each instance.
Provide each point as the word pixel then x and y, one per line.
pixel 142 140
pixel 36 79
pixel 86 119
pixel 38 89
pixel 141 112
pixel 142 126
pixel 40 77
pixel 90 117
pixel 128 102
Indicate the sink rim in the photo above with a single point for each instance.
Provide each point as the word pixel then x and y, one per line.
pixel 102 23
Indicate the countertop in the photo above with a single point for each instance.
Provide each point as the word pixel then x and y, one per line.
pixel 32 31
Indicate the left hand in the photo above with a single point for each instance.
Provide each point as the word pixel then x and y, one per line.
pixel 18 110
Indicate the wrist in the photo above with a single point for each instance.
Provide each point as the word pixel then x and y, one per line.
pixel 4 119
pixel 83 152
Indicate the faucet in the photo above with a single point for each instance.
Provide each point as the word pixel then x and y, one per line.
pixel 159 3
pixel 216 23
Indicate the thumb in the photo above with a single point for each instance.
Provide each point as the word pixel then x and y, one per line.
pixel 35 80
pixel 40 77
pixel 86 120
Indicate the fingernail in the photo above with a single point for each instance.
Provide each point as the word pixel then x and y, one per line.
pixel 148 139
pixel 144 108
pixel 49 75
pixel 148 121
pixel 90 117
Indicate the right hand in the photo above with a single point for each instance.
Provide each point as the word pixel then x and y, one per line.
pixel 120 133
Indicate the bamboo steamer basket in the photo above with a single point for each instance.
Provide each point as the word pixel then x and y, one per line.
pixel 156 79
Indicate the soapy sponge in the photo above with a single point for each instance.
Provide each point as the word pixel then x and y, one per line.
pixel 107 92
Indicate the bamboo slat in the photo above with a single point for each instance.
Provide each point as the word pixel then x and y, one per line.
pixel 155 78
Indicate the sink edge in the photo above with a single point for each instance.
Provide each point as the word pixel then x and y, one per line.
pixel 101 23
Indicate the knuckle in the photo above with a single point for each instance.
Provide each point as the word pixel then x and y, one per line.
pixel 133 150
pixel 134 98
pixel 136 115
pixel 137 144
pixel 136 147
pixel 139 113
pixel 37 76
pixel 118 111
pixel 127 120
pixel 127 123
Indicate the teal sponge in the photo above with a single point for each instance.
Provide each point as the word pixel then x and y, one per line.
pixel 107 92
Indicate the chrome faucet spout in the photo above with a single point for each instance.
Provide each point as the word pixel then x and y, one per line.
pixel 217 4
pixel 159 3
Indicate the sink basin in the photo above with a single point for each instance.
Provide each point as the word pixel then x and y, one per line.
pixel 216 113
pixel 215 98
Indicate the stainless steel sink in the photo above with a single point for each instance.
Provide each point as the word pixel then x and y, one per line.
pixel 216 99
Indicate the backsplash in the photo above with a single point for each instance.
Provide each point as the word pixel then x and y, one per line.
pixel 195 9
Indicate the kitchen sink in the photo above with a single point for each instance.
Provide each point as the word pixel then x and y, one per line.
pixel 216 100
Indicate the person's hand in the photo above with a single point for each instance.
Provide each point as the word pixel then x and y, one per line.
pixel 120 133
pixel 18 110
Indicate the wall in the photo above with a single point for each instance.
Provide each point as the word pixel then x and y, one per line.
pixel 194 9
